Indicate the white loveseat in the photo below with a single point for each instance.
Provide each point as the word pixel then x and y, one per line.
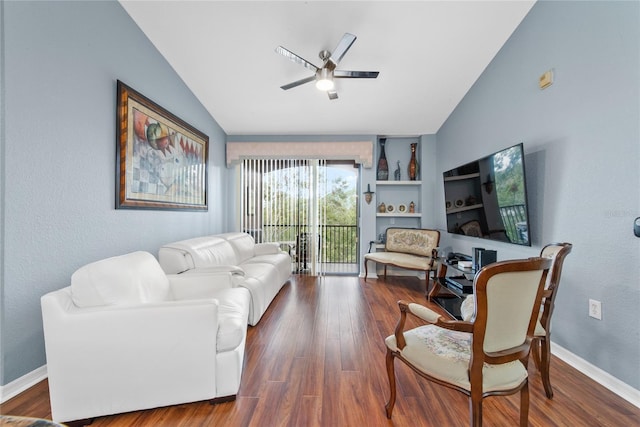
pixel 262 268
pixel 124 336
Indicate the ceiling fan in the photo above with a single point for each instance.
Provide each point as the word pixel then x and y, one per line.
pixel 324 75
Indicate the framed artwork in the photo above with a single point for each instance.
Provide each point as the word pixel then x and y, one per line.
pixel 161 161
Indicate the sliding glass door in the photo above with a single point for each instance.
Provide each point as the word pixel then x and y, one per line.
pixel 308 206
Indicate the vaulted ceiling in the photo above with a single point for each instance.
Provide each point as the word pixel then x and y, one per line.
pixel 428 53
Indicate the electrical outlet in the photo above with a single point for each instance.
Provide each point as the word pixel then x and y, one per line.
pixel 595 309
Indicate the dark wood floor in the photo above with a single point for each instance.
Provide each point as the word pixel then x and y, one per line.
pixel 317 359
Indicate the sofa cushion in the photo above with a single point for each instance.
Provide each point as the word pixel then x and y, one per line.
pixel 126 279
pixel 267 248
pixel 233 312
pixel 444 355
pixel 243 245
pixel 400 259
pixel 280 260
pixel 212 251
pixel 199 252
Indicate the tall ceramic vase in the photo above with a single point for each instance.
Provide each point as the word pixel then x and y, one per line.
pixel 383 166
pixel 413 163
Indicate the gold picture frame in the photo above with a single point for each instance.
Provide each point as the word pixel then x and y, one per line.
pixel 162 160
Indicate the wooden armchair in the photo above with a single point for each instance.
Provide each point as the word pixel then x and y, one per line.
pixel 542 344
pixel 480 359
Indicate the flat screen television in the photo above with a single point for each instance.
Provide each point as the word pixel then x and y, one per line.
pixel 488 198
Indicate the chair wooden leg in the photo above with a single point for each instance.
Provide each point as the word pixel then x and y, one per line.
pixel 545 363
pixel 475 410
pixel 392 383
pixel 426 282
pixel 535 352
pixel 365 269
pixel 524 405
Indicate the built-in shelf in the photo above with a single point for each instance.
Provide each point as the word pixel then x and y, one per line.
pixel 404 215
pixel 462 209
pixel 400 194
pixel 461 177
pixel 398 182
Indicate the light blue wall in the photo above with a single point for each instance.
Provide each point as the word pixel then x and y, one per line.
pixel 582 153
pixel 61 63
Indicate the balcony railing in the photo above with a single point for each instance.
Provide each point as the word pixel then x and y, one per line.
pixel 338 244
pixel 515 223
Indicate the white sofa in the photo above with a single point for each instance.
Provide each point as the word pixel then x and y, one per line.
pixel 124 336
pixel 262 268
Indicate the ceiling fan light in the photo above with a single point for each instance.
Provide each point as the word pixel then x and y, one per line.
pixel 324 80
pixel 325 84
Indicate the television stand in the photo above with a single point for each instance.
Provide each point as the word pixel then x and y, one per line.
pixel 449 291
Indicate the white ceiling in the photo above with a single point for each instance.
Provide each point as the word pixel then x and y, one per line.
pixel 428 53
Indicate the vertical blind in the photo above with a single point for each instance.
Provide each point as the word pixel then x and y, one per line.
pixel 282 202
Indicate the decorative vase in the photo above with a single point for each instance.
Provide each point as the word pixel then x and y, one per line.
pixel 413 163
pixel 383 166
pixel 397 174
pixel 382 208
pixel 412 207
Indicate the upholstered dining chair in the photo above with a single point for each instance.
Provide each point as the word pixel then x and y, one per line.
pixel 480 359
pixel 542 345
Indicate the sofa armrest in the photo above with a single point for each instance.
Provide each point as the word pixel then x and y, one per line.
pixel 267 248
pixel 174 260
pixel 216 269
pixel 198 285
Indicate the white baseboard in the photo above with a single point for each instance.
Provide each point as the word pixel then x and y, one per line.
pixel 603 378
pixel 370 276
pixel 21 384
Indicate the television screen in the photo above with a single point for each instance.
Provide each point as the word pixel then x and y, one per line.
pixel 488 198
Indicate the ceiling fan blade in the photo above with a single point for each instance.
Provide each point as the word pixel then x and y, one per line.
pixel 342 48
pixel 343 74
pixel 295 58
pixel 332 94
pixel 298 83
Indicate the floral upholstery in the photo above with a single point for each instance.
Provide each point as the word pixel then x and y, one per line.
pixel 445 354
pixel 412 241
